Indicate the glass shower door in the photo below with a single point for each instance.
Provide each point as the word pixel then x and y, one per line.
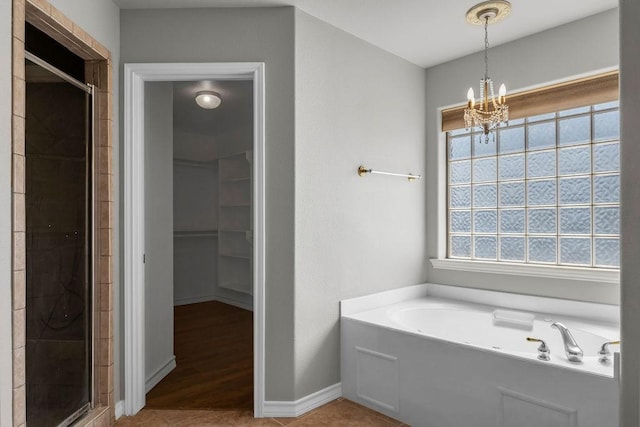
pixel 59 207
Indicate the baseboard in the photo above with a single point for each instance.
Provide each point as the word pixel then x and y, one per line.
pixel 303 405
pixel 119 408
pixel 223 299
pixel 195 300
pixel 154 379
pixel 234 302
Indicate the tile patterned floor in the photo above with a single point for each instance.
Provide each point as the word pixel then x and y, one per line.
pixel 340 412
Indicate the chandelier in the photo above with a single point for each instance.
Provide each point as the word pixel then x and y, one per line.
pixel 490 111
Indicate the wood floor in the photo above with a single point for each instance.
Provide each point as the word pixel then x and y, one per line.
pixel 214 358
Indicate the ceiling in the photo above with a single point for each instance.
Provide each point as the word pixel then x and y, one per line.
pixel 424 32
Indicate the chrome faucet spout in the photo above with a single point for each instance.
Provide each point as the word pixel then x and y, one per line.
pixel 571 347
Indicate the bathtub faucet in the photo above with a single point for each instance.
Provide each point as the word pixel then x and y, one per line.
pixel 571 348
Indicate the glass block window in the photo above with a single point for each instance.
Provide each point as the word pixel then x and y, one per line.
pixel 544 190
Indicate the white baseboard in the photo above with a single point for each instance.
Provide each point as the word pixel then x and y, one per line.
pixel 185 301
pixel 303 405
pixel 119 408
pixel 235 303
pixel 223 299
pixel 157 376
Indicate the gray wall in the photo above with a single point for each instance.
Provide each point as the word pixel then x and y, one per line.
pixel 355 104
pixel 195 208
pixel 158 181
pixel 630 301
pixel 583 46
pixel 243 35
pixel 6 373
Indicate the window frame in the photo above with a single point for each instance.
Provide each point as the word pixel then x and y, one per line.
pixel 442 262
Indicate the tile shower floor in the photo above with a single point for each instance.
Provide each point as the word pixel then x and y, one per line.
pixel 340 412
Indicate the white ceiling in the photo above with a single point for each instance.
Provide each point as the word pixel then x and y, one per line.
pixel 425 32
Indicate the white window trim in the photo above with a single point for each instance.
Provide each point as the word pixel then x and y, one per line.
pixel 601 275
pixel 589 274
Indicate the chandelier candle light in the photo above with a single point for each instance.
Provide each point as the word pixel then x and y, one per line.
pixel 489 112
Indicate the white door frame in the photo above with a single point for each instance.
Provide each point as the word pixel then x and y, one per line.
pixel 135 76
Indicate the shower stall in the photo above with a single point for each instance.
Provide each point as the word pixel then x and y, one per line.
pixel 59 243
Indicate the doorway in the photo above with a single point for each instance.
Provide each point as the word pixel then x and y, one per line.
pixel 136 75
pixel 198 178
pixel 59 205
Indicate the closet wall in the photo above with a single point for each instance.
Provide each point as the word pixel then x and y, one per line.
pixel 212 181
pixel 195 224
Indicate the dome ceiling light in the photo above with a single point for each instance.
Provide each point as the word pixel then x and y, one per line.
pixel 208 99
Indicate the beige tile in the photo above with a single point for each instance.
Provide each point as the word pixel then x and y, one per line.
pixel 82 36
pixel 105 105
pixel 144 418
pixel 91 73
pixel 106 76
pixel 105 132
pixel 19 217
pixel 105 269
pixel 221 418
pixel 106 296
pixel 19 290
pixel 105 215
pixel 19 363
pixel 19 251
pixel 100 49
pixel 104 188
pixel 105 241
pixel 42 5
pixel 18 19
pixel 106 324
pixel 18 96
pixel 18 58
pixel 342 413
pixel 104 163
pixel 61 19
pixel 104 399
pixel 106 377
pixel 103 420
pixel 18 134
pixel 18 337
pixel 18 174
pixel 19 406
pixel 106 352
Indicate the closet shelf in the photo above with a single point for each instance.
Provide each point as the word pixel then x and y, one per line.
pixel 239 256
pixel 236 205
pixel 231 180
pixel 197 233
pixel 238 287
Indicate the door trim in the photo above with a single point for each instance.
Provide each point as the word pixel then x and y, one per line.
pixel 135 76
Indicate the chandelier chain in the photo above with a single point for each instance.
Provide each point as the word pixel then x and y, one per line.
pixel 486 48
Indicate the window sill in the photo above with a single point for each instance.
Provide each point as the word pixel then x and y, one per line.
pixel 550 271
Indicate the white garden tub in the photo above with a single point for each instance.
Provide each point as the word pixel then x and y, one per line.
pixel 433 355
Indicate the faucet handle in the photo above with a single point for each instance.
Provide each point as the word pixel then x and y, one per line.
pixel 543 349
pixel 605 353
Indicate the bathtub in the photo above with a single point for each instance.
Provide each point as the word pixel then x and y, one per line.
pixel 438 356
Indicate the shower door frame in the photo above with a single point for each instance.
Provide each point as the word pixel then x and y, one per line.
pixel 135 76
pixel 90 226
